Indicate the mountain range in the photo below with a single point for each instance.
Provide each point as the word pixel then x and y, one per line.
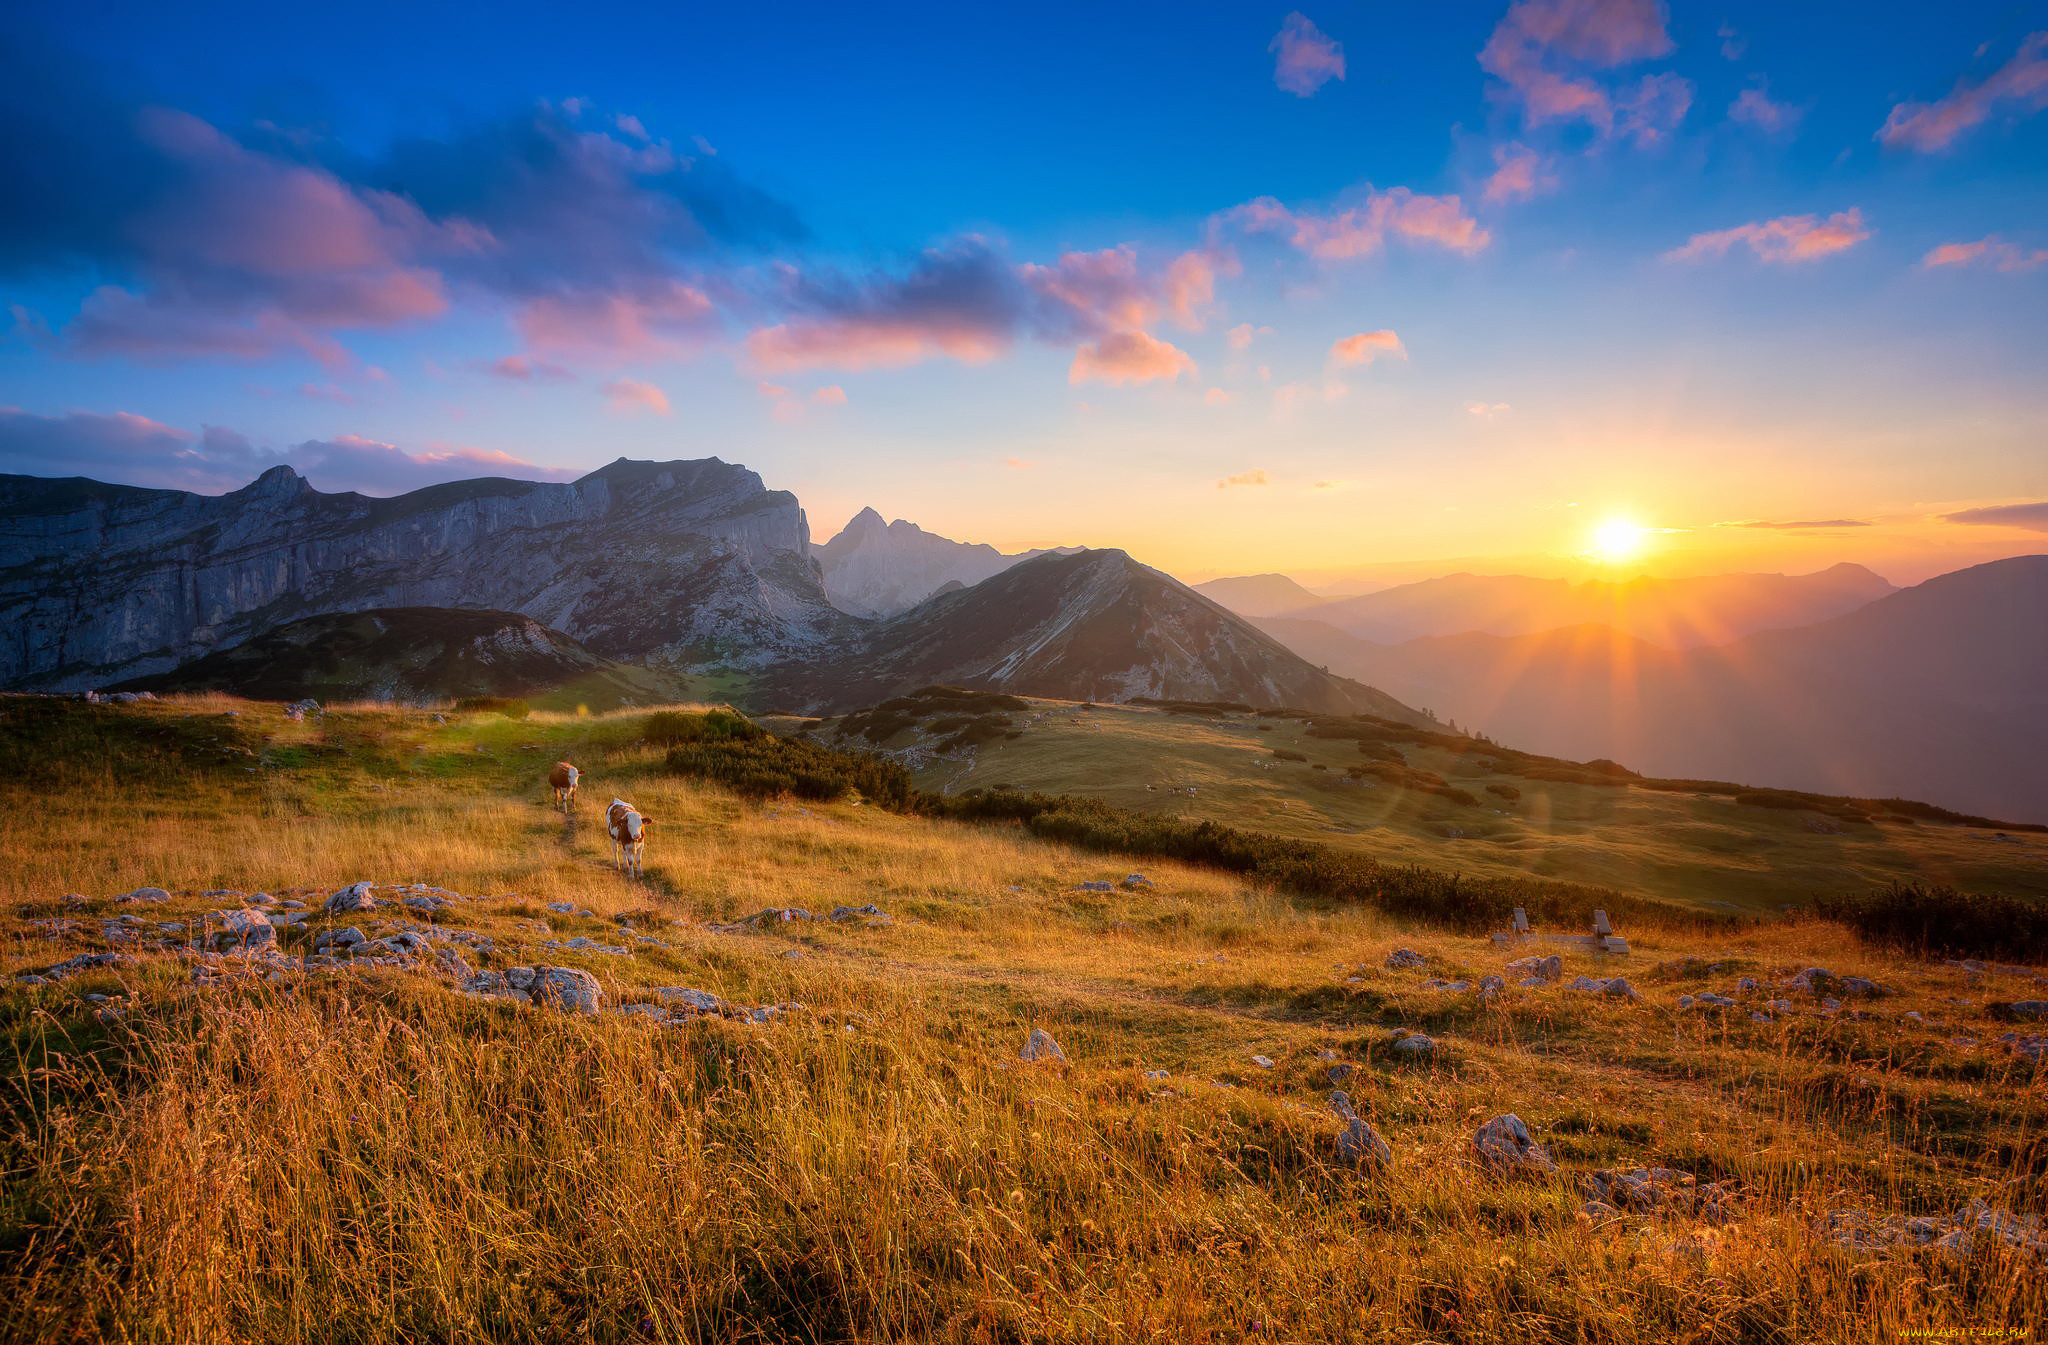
pixel 1936 691
pixel 690 568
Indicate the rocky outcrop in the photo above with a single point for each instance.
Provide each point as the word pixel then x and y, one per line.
pixel 677 563
pixel 878 569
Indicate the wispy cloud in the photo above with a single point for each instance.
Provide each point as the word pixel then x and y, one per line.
pixel 1796 525
pixel 1755 107
pixel 1487 410
pixel 1305 57
pixel 1365 347
pixel 1991 251
pixel 2017 88
pixel 1255 477
pixel 1790 238
pixel 2032 517
pixel 1518 173
pixel 1243 334
pixel 1361 230
pixel 523 369
pixel 627 394
pixel 1546 54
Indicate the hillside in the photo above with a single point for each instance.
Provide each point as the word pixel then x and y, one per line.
pixel 1489 812
pixel 1086 625
pixel 1938 691
pixel 1672 613
pixel 809 1129
pixel 416 655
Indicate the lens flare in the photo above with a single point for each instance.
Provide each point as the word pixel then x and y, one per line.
pixel 1617 540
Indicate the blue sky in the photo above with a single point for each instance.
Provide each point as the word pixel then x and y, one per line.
pixel 1684 265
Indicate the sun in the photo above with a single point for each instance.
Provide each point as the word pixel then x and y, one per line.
pixel 1618 540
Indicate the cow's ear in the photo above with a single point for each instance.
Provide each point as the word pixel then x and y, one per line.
pixel 646 821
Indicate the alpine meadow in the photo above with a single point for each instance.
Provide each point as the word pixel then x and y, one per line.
pixel 1429 724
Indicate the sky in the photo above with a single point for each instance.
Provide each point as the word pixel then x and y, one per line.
pixel 1355 292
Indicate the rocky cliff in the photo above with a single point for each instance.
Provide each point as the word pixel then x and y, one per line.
pixel 877 569
pixel 680 564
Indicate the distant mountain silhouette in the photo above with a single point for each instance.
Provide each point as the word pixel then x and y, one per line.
pixel 878 569
pixel 1259 595
pixel 1674 613
pixel 1938 691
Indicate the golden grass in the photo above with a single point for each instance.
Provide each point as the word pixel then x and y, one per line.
pixel 365 1156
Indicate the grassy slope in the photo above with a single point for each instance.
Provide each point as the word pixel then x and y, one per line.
pixel 363 1156
pixel 1704 851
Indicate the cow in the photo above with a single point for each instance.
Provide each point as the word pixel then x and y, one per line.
pixel 629 835
pixel 563 778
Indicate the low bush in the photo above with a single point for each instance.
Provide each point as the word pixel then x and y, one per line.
pixel 1940 921
pixel 1289 754
pixel 507 706
pixel 765 766
pixel 667 728
pixel 1508 792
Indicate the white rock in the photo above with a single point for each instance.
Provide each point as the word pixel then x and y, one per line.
pixel 1041 1046
pixel 1504 1145
pixel 568 989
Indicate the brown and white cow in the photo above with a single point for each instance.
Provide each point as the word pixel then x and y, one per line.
pixel 563 779
pixel 629 835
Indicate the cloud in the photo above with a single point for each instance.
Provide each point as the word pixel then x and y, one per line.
pixel 1732 42
pixel 1797 525
pixel 967 302
pixel 1363 229
pixel 1306 57
pixel 522 369
pixel 2032 517
pixel 1255 477
pixel 787 404
pixel 1545 52
pixel 1990 251
pixel 832 395
pixel 1216 397
pixel 1123 358
pixel 266 241
pixel 1338 484
pixel 1243 334
pixel 326 392
pixel 626 394
pixel 662 320
pixel 1487 410
pixel 1018 464
pixel 1365 347
pixel 139 451
pixel 1753 107
pixel 1518 173
pixel 2016 89
pixel 1790 238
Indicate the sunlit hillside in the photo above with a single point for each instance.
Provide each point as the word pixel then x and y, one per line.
pixel 835 1137
pixel 1488 811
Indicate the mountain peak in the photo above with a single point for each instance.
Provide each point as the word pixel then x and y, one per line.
pixel 281 482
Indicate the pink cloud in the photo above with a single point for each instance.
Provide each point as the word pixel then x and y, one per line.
pixel 2017 88
pixel 326 392
pixel 1365 347
pixel 626 395
pixel 1753 107
pixel 1129 357
pixel 1018 464
pixel 521 369
pixel 1364 229
pixel 1216 397
pixel 1792 238
pixel 1243 334
pixel 1990 251
pixel 1255 477
pixel 1518 173
pixel 1306 58
pixel 1104 287
pixel 1542 50
pixel 662 320
pixel 869 343
pixel 831 395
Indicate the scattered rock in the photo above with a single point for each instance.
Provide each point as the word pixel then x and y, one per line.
pixel 339 940
pixel 354 897
pixel 1414 1043
pixel 1340 1072
pixel 241 930
pixel 1538 968
pixel 869 914
pixel 1405 957
pixel 1706 1000
pixel 2029 1047
pixel 699 1001
pixel 1137 880
pixel 2011 1010
pixel 1358 1144
pixel 1614 987
pixel 72 966
pixel 1658 1190
pixel 145 894
pixel 1448 987
pixel 1263 1062
pixel 1095 887
pixel 1040 1046
pixel 1504 1146
pixel 1489 986
pixel 1157 1075
pixel 568 989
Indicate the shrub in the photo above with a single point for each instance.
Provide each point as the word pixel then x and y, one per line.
pixel 1289 754
pixel 499 705
pixel 1504 791
pixel 763 766
pixel 1936 921
pixel 666 728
